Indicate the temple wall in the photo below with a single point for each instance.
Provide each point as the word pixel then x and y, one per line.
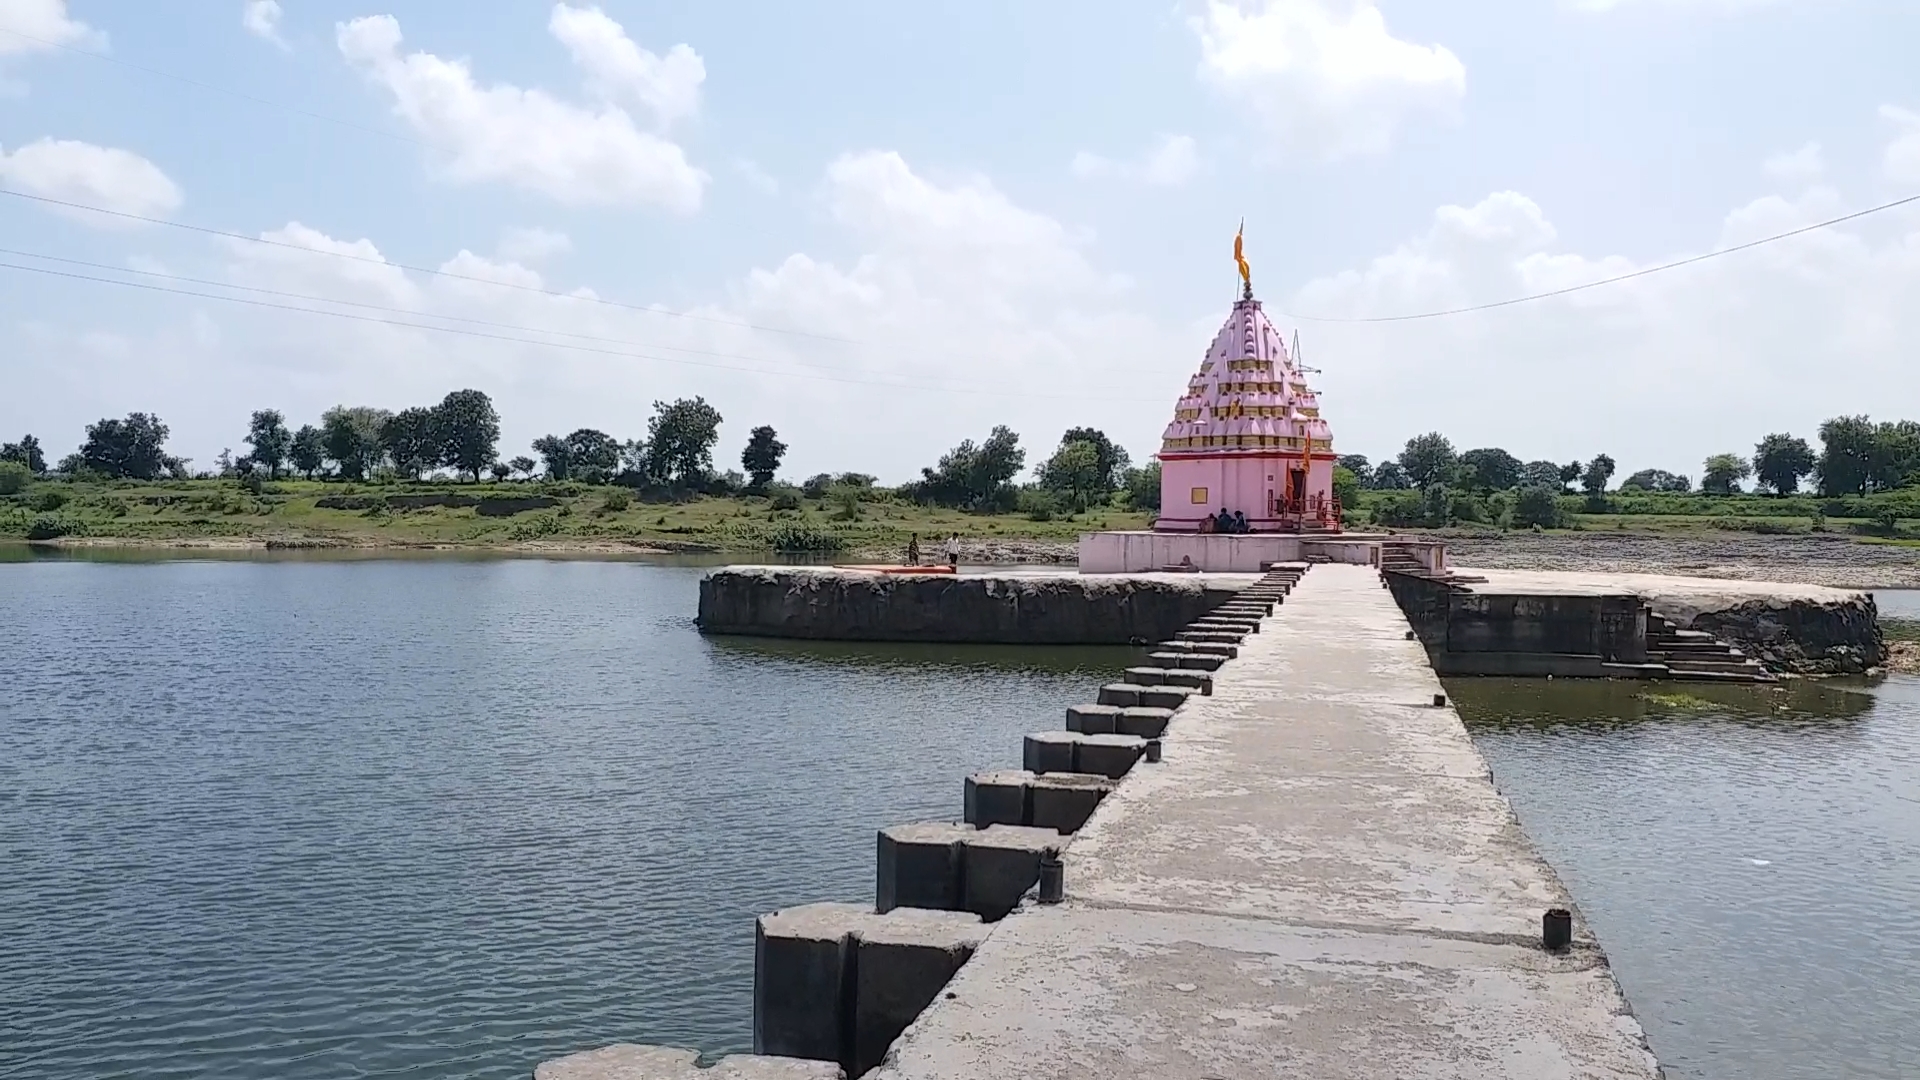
pixel 1244 484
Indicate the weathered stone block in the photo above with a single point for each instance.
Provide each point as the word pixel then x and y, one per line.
pixel 800 960
pixel 1145 676
pixel 1196 680
pixel 1165 697
pixel 902 963
pixel 1108 755
pixel 1093 719
pixel 625 1061
pixel 1143 721
pixel 1121 694
pixel 1064 801
pixel 1049 751
pixel 1000 864
pixel 919 866
pixel 999 798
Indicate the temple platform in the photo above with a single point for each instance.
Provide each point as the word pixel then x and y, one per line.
pixel 1141 551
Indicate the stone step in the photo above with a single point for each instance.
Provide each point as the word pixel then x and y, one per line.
pixel 1142 720
pixel 1760 676
pixel 1227 624
pixel 1111 756
pixel 944 866
pixel 1219 637
pixel 1635 671
pixel 1155 697
pixel 1685 664
pixel 1058 801
pixel 1197 661
pixel 837 982
pixel 1224 650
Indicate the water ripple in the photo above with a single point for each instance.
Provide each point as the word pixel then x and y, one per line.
pixel 437 819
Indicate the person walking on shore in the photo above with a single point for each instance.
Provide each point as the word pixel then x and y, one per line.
pixel 913 550
pixel 953 550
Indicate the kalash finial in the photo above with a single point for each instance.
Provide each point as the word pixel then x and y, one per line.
pixel 1240 259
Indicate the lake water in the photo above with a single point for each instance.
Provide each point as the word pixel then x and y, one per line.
pixel 437 818
pixel 447 818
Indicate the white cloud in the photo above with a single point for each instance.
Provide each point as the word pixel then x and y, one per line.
pixel 1170 162
pixel 1803 166
pixel 102 176
pixel 618 69
pixel 533 245
pixel 1658 371
pixel 40 25
pixel 1903 154
pixel 1679 5
pixel 1325 76
pixel 760 179
pixel 524 137
pixel 262 20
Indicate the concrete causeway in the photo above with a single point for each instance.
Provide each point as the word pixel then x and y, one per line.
pixel 1318 880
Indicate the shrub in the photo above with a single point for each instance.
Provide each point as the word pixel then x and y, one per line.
pixel 13 477
pixel 1038 504
pixel 783 498
pixel 1537 506
pixel 816 486
pixel 535 527
pixel 49 499
pixel 802 538
pixel 48 527
pixel 616 501
pixel 846 500
pixel 252 484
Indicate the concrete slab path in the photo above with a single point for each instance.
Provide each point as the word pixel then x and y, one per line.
pixel 1318 880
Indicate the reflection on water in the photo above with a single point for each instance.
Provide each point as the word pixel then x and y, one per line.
pixel 319 818
pixel 1749 858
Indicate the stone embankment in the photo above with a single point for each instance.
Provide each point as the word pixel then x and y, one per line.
pixel 1272 851
pixel 1010 609
pixel 1821 559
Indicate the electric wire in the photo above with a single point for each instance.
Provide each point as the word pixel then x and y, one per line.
pixel 887 384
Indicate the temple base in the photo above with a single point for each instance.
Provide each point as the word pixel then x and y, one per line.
pixel 1242 553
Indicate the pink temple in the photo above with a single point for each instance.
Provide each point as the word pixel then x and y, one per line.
pixel 1247 438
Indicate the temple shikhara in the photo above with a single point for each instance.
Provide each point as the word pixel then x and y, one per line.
pixel 1247 450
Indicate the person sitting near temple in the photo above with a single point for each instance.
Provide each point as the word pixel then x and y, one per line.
pixel 1223 521
pixel 1206 523
pixel 1240 522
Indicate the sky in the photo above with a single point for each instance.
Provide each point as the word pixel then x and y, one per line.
pixel 884 228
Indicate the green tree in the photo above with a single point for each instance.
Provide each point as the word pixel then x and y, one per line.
pixel 1594 480
pixel 130 449
pixel 1359 466
pixel 1896 457
pixel 1656 480
pixel 555 456
pixel 1780 461
pixel 593 456
pixel 1429 459
pixel 1570 472
pixel 1389 476
pixel 680 440
pixel 351 438
pixel 1113 458
pixel 1143 486
pixel 27 452
pixel 523 465
pixel 270 440
pixel 307 452
pixel 1074 473
pixel 1538 505
pixel 762 457
pixel 14 476
pixel 469 432
pixel 1490 469
pixel 1540 474
pixel 500 470
pixel 1848 450
pixel 974 476
pixel 1722 473
pixel 1346 488
pixel 412 440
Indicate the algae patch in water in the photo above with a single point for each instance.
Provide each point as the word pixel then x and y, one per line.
pixel 1676 701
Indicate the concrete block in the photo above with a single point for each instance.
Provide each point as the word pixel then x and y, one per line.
pixel 999 798
pixel 1223 650
pixel 1143 721
pixel 625 1061
pixel 801 957
pixel 1219 637
pixel 1173 647
pixel 1121 694
pixel 1201 662
pixel 918 866
pixel 1049 751
pixel 1093 719
pixel 1000 864
pixel 1064 801
pixel 1196 680
pixel 1108 755
pixel 1164 697
pixel 1145 676
pixel 901 963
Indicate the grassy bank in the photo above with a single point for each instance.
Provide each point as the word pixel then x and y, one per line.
pixel 488 515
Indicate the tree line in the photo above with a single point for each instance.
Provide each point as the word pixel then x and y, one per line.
pixel 461 435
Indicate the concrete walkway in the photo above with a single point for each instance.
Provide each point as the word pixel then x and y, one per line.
pixel 1319 880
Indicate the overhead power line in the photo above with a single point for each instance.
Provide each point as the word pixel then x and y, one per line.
pixel 1674 265
pixel 888 384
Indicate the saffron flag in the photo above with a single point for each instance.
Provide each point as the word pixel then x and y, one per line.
pixel 1239 238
